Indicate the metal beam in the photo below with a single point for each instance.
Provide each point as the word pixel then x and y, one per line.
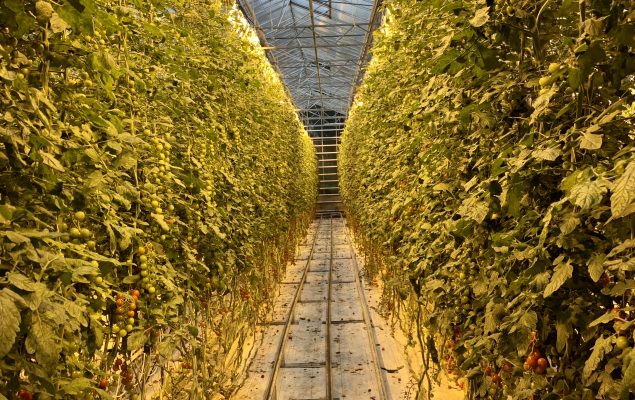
pixel 324 66
pixel 321 118
pixel 318 12
pixel 319 46
pixel 375 21
pixel 322 97
pixel 319 36
pixel 317 26
pixel 317 63
pixel 313 110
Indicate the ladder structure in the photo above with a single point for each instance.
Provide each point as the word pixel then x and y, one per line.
pixel 320 49
pixel 325 129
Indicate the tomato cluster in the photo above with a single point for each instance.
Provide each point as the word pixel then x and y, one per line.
pixel 488 171
pixel 151 166
pixel 125 312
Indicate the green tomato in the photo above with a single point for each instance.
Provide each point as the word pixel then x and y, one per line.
pixel 553 68
pixel 545 81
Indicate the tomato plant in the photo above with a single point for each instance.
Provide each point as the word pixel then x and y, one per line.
pixel 146 148
pixel 488 169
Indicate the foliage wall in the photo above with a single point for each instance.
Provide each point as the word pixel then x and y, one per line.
pixel 154 179
pixel 488 167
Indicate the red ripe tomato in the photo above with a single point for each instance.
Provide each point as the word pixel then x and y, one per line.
pixel 103 383
pixel 604 280
pixel 507 366
pixel 24 394
pixel 542 363
pixel 532 361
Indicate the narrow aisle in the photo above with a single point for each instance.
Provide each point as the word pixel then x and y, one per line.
pixel 306 358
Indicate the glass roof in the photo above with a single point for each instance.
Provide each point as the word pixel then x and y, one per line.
pixel 319 47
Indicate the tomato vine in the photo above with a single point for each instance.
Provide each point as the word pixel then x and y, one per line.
pixel 488 169
pixel 155 179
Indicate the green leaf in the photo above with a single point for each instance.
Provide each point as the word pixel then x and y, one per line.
pixel 6 213
pixel 51 161
pixel 15 237
pixel 23 21
pixel 575 78
pixel 480 17
pixel 603 319
pixel 561 273
pixel 136 340
pixel 440 187
pixel 563 331
pixel 596 266
pixel 131 279
pixel 58 25
pixel 628 380
pixel 529 319
pixel 541 105
pixel 9 322
pixel 40 342
pixel 625 245
pixel 591 141
pixel 601 347
pixel 624 193
pixel 474 208
pixel 21 282
pixel 76 386
pixel 569 223
pixel 514 195
pixel 548 154
pixel 587 195
pixel 104 395
pixel 161 221
pixel 166 348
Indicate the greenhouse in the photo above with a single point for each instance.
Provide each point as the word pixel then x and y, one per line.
pixel 317 199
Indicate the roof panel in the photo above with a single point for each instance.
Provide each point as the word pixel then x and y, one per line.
pixel 317 46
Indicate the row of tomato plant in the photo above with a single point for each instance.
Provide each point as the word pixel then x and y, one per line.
pixel 154 179
pixel 488 168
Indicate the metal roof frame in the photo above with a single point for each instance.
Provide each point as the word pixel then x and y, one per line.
pixel 319 48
